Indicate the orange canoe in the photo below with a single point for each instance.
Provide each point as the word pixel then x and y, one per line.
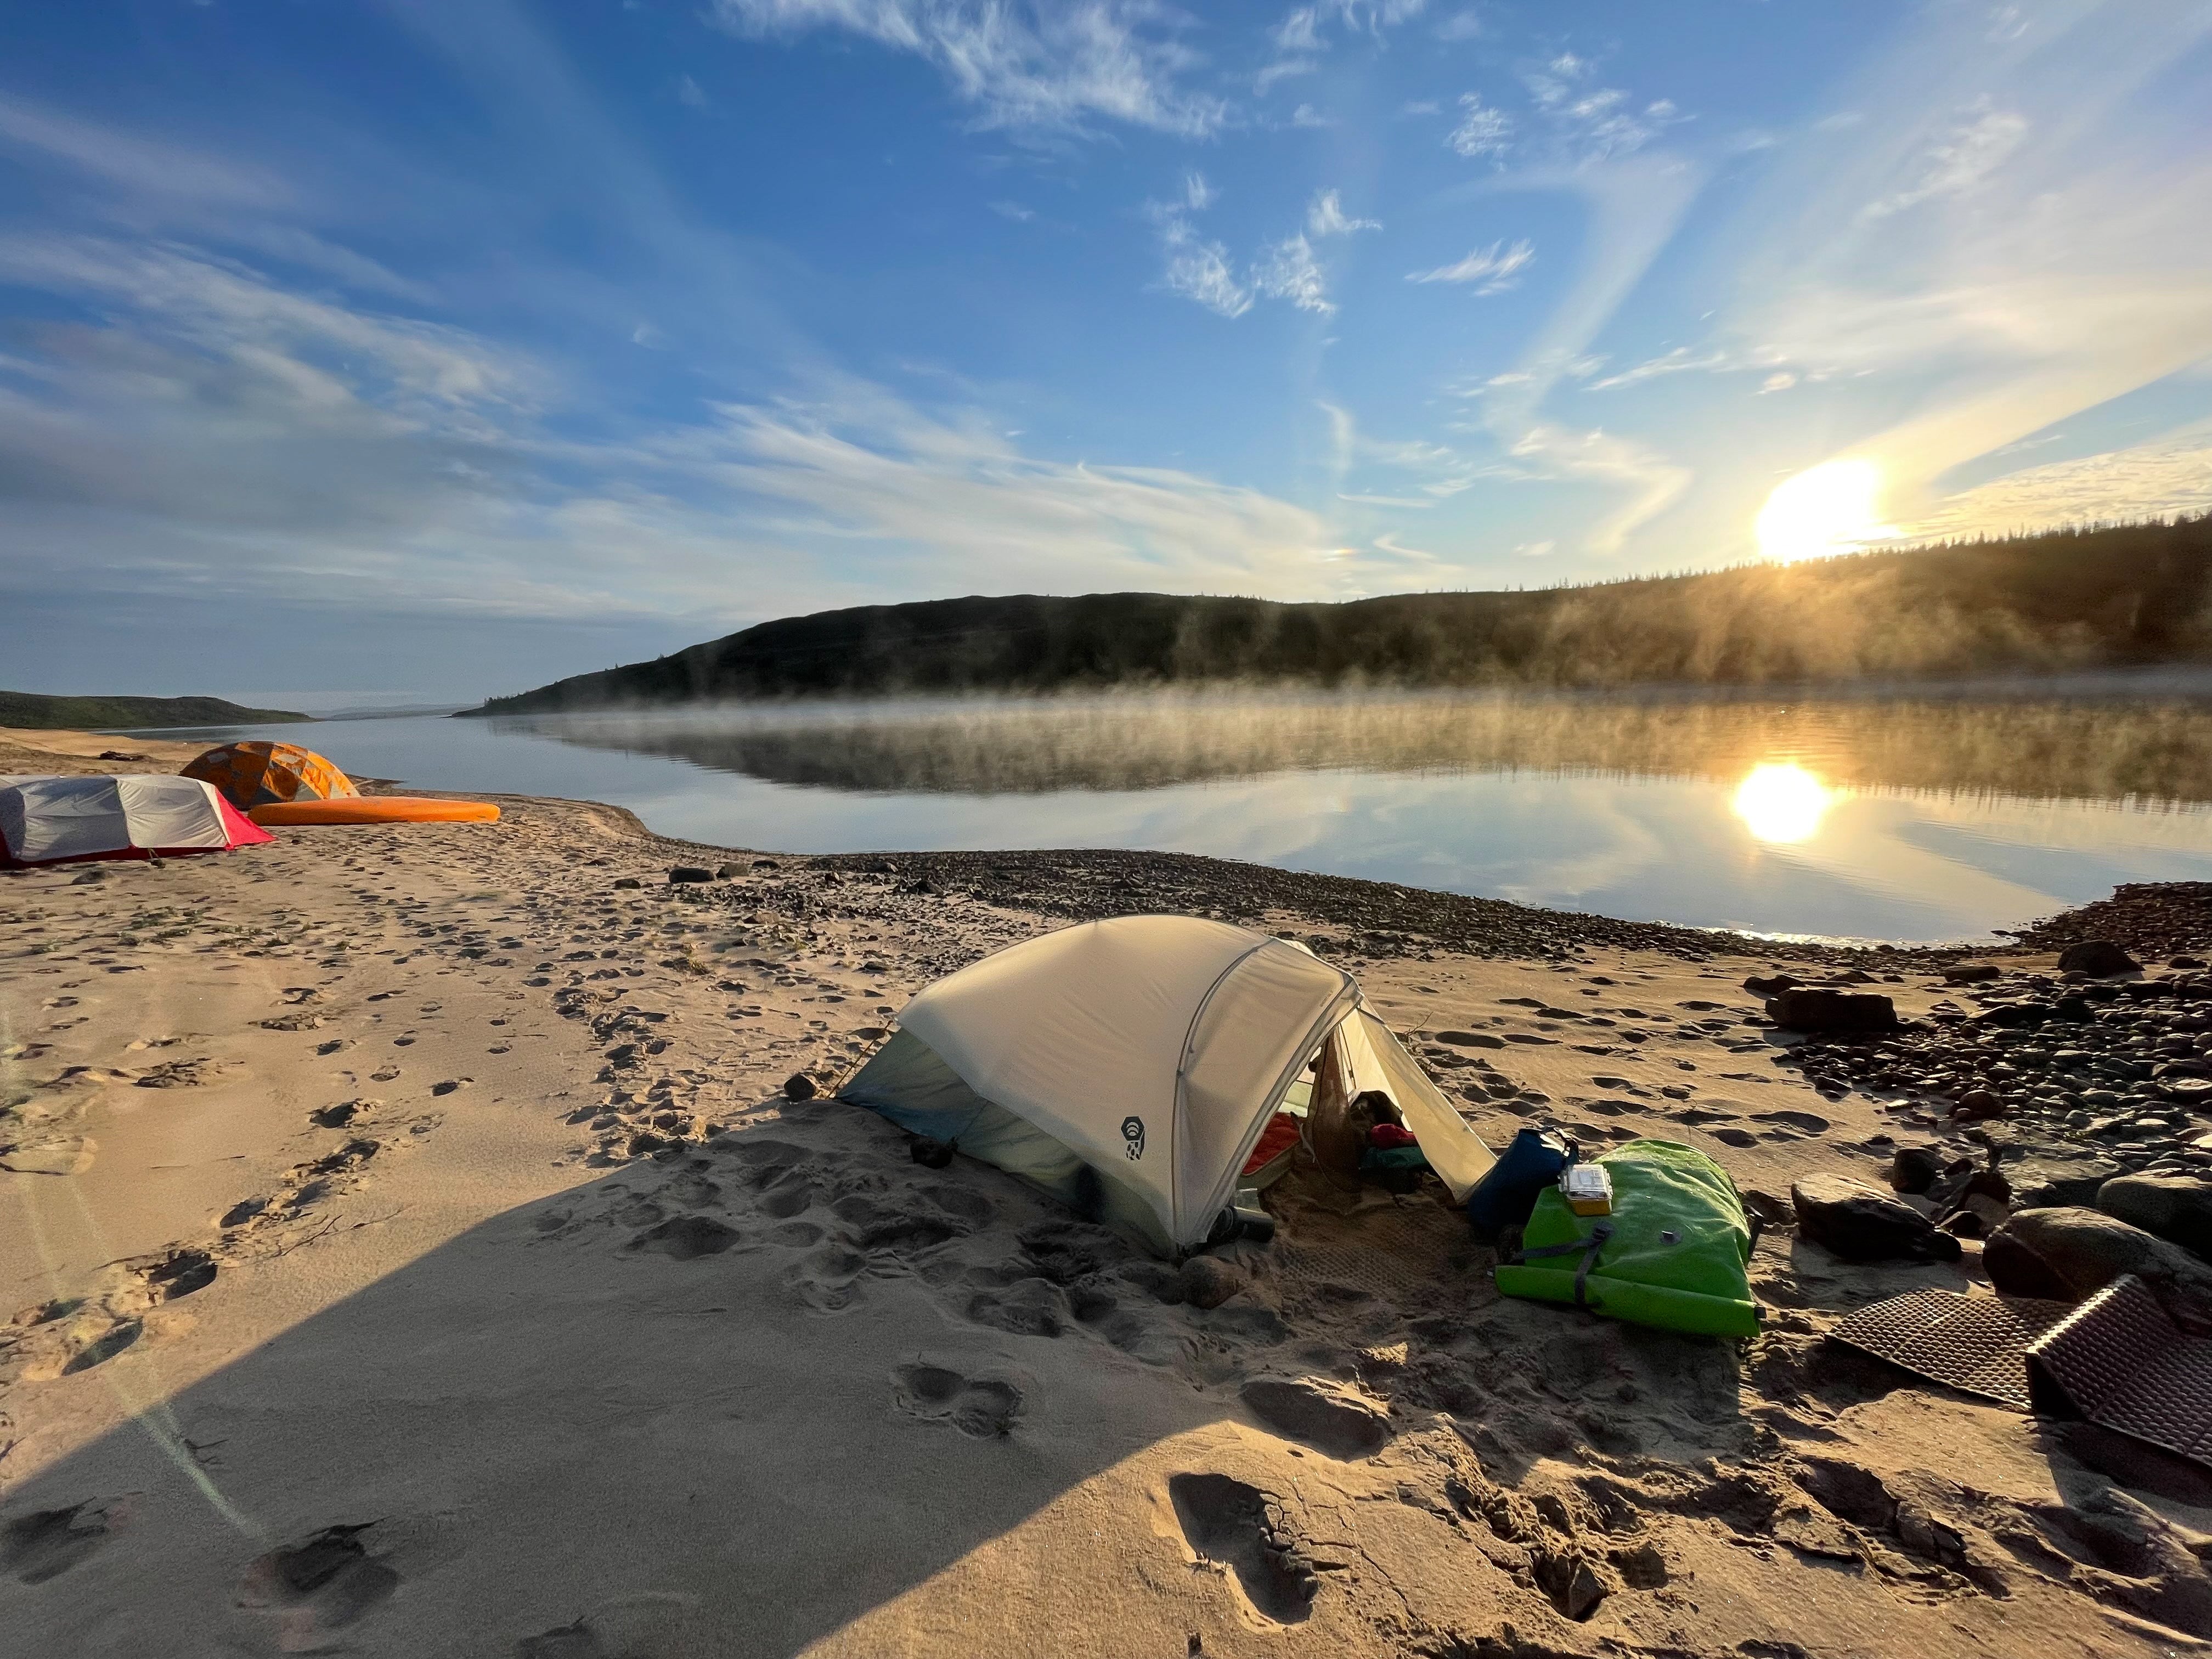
pixel 376 809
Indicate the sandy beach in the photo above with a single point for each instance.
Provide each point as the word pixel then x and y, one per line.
pixel 413 1247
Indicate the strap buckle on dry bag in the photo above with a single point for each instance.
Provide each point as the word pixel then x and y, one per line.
pixel 1587 1249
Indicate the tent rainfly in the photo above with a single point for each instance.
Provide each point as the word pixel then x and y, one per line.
pixel 1127 1066
pixel 64 820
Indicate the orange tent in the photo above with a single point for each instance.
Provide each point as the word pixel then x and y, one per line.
pixel 256 774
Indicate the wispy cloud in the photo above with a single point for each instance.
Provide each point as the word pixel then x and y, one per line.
pixel 218 435
pixel 1044 66
pixel 134 163
pixel 1960 160
pixel 1648 481
pixel 1681 361
pixel 2011 234
pixel 2169 475
pixel 1482 130
pixel 1200 269
pixel 1287 271
pixel 1197 269
pixel 1493 268
pixel 1325 217
pixel 1593 122
pixel 1014 210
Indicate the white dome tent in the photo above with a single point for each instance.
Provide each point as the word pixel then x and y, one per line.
pixel 1129 1065
pixel 66 820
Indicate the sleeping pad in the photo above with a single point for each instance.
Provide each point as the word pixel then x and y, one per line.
pixel 1673 1253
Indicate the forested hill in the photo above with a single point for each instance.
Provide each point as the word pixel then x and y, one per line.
pixel 30 710
pixel 2105 597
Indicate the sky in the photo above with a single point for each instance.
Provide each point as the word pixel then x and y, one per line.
pixel 372 352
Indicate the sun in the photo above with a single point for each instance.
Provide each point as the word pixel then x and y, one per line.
pixel 1780 801
pixel 1832 509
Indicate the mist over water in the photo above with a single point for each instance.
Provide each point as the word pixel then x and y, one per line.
pixel 1908 817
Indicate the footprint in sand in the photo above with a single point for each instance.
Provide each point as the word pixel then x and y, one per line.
pixel 983 1408
pixel 1335 1421
pixel 384 1074
pixel 686 1237
pixel 314 1588
pixel 46 1543
pixel 1811 1123
pixel 71 1156
pixel 1241 1528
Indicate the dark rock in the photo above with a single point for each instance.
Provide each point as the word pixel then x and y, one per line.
pixel 2099 959
pixel 2013 1014
pixel 1914 1168
pixel 1207 1281
pixel 800 1086
pixel 2015 1269
pixel 729 871
pixel 2177 1208
pixel 689 872
pixel 1861 1223
pixel 1977 1104
pixel 1768 985
pixel 2054 1176
pixel 627 881
pixel 929 1153
pixel 2186 962
pixel 2084 1251
pixel 1972 972
pixel 2075 1010
pixel 1813 1009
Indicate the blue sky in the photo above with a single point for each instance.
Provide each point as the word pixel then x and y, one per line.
pixel 434 348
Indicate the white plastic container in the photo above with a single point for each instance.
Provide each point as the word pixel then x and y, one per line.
pixel 1588 1188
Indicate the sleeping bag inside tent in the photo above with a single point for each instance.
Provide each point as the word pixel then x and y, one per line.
pixel 1129 1066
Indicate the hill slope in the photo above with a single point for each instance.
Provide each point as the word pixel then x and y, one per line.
pixel 32 711
pixel 2121 596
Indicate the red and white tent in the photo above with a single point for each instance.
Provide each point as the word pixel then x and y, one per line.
pixel 64 820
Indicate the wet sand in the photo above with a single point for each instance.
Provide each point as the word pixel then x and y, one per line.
pixel 412 1249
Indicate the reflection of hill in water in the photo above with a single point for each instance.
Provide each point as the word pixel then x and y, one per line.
pixel 2091 750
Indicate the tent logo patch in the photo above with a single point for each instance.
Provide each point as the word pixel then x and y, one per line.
pixel 1133 1131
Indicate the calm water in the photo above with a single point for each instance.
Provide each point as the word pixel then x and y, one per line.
pixel 1867 817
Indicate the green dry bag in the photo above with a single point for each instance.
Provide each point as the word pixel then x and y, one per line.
pixel 1673 1253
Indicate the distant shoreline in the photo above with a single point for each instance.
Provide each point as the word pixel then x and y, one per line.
pixel 2118 598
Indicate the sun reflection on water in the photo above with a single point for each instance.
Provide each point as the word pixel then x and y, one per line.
pixel 1780 801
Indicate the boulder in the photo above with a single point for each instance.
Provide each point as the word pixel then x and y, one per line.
pixel 1861 1223
pixel 1766 985
pixel 2081 1251
pixel 1972 972
pixel 628 882
pixel 2053 1175
pixel 689 872
pixel 2099 959
pixel 1811 1008
pixel 800 1086
pixel 729 872
pixel 1914 1168
pixel 2177 1208
pixel 1976 1104
pixel 2015 1269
